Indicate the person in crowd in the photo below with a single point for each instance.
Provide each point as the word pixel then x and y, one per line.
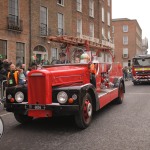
pixel 125 73
pixel 23 67
pixel 3 72
pixel 6 64
pixel 12 76
pixel 77 59
pixel 84 58
pixel 22 76
pixel 62 59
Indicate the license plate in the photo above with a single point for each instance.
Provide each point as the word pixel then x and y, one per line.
pixel 36 107
pixel 143 79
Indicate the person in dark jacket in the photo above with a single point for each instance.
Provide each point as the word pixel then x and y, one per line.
pixel 62 59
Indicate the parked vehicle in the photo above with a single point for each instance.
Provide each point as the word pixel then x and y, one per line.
pixel 68 89
pixel 141 69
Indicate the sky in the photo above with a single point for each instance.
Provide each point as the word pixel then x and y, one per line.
pixel 134 9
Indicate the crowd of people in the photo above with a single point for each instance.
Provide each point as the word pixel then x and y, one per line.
pixel 13 74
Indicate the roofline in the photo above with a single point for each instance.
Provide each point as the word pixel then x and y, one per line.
pixel 126 19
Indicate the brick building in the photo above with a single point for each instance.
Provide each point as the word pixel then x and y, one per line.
pixel 14 30
pixel 127 36
pixel 33 20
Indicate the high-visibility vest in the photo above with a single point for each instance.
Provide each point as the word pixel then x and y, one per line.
pixel 15 76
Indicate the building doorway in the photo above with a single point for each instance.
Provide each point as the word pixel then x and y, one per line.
pixel 41 55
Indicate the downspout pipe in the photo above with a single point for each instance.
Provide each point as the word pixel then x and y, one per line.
pixel 30 32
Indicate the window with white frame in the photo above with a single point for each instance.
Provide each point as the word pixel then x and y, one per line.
pixel 60 2
pixel 91 28
pixel 103 33
pixel 54 53
pixel 43 21
pixel 108 1
pixel 113 29
pixel 79 5
pixel 91 8
pixel 125 53
pixel 103 14
pixel 125 28
pixel 60 24
pixel 79 27
pixel 125 40
pixel 108 18
pixel 109 38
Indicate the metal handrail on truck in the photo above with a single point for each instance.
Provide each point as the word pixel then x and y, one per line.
pixel 2 98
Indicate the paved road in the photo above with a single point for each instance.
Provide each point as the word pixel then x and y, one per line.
pixel 116 127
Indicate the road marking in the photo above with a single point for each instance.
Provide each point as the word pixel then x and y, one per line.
pixel 5 114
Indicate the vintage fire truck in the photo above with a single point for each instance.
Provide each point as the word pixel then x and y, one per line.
pixel 141 69
pixel 68 89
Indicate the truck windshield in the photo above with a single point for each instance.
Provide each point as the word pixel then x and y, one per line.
pixel 141 61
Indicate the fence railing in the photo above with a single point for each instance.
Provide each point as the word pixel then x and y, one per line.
pixel 2 90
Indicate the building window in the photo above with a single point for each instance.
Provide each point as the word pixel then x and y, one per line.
pixel 108 1
pixel 79 5
pixel 20 53
pixel 43 21
pixel 91 8
pixel 125 52
pixel 125 28
pixel 13 8
pixel 54 53
pixel 60 24
pixel 60 2
pixel 13 12
pixel 113 29
pixel 108 18
pixel 125 40
pixel 109 38
pixel 91 28
pixel 3 49
pixel 79 27
pixel 103 14
pixel 103 34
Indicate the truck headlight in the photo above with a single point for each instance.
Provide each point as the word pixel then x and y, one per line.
pixel 62 97
pixel 19 97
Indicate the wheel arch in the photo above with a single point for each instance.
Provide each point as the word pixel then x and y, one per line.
pixel 117 82
pixel 92 91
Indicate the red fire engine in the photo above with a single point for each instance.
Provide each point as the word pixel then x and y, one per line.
pixel 76 89
pixel 141 69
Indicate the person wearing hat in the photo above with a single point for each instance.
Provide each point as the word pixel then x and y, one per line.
pixel 62 58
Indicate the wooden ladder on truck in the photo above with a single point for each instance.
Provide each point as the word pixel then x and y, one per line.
pixel 75 41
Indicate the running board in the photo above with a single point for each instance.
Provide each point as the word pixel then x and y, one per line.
pixel 107 95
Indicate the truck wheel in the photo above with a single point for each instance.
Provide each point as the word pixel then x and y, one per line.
pixel 22 118
pixel 120 97
pixel 84 117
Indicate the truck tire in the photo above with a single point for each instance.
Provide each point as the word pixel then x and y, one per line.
pixel 84 116
pixel 1 127
pixel 22 118
pixel 120 97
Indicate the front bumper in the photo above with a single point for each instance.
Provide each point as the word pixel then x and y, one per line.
pixel 140 79
pixel 56 108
